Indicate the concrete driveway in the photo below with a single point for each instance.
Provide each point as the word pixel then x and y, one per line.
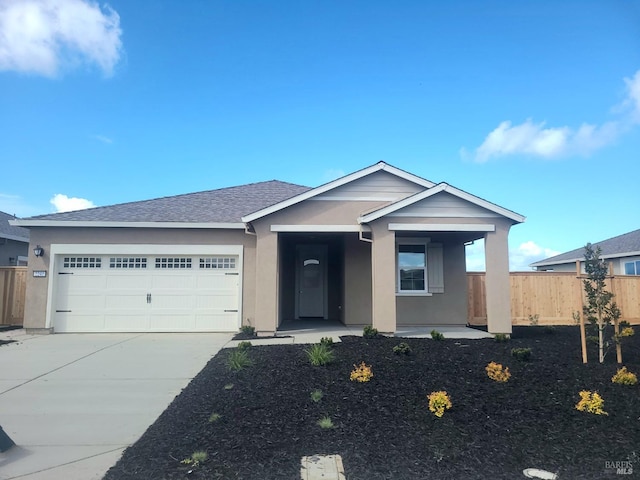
pixel 73 402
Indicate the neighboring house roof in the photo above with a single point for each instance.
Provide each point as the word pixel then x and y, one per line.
pixel 10 232
pixel 223 206
pixel 624 245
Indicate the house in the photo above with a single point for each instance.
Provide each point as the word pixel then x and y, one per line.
pixel 14 243
pixel 623 252
pixel 379 247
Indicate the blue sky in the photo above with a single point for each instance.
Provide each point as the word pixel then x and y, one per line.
pixel 534 106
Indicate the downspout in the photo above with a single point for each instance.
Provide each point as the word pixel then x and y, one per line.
pixel 361 238
pixel 247 229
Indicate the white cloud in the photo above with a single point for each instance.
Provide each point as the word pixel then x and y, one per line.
pixel 519 257
pixel 535 139
pixel 42 36
pixel 62 203
pixel 103 139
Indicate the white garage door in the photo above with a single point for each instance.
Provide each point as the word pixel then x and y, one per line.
pixel 146 293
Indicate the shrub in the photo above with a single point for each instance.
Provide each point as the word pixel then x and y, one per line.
pixel 361 373
pixel 533 319
pixel 402 349
pixel 244 345
pixel 316 395
pixel 238 360
pixel 214 417
pixel 319 354
pixel 438 402
pixel 369 332
pixel 325 422
pixel 328 341
pixel 436 335
pixel 196 458
pixel 624 377
pixel 591 402
pixel 522 354
pixel 627 332
pixel 497 372
pixel 501 337
pixel 248 330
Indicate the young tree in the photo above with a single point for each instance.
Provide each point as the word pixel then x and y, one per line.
pixel 600 309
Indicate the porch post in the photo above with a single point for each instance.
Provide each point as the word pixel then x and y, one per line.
pixel 497 288
pixel 266 321
pixel 383 278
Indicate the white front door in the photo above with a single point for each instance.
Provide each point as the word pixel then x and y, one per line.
pixel 311 281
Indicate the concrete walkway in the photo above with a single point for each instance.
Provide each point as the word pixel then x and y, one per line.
pixel 73 402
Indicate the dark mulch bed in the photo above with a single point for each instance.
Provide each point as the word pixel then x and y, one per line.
pixel 383 428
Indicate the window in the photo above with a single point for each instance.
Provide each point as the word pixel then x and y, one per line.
pixel 412 267
pixel 632 268
pixel 173 262
pixel 218 262
pixel 127 262
pixel 82 262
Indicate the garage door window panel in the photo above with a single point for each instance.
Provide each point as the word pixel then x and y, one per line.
pixel 224 263
pixel 173 263
pixel 82 262
pixel 128 262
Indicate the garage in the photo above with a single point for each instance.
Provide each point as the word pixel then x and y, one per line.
pixel 149 288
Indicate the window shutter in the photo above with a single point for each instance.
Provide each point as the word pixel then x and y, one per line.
pixel 435 268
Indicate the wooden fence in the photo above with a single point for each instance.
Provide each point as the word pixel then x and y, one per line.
pixel 13 281
pixel 554 297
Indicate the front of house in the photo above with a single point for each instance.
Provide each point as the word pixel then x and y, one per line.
pixel 378 247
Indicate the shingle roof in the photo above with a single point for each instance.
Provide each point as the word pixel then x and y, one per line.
pixel 617 246
pixel 9 231
pixel 224 205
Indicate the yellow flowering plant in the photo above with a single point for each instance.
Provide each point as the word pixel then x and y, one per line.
pixel 361 373
pixel 438 402
pixel 624 377
pixel 497 372
pixel 591 402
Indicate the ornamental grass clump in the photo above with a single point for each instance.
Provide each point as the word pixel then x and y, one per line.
pixel 497 372
pixel 370 332
pixel 238 360
pixel 439 402
pixel 436 335
pixel 319 354
pixel 402 349
pixel 591 402
pixel 624 377
pixel 316 396
pixel 361 373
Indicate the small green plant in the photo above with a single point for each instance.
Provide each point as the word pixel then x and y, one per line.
pixel 501 337
pixel 248 330
pixel 319 354
pixel 533 320
pixel 228 386
pixel 214 417
pixel 402 349
pixel 438 402
pixel 325 422
pixel 238 360
pixel 196 458
pixel 522 354
pixel 549 329
pixel 576 317
pixel 369 332
pixel 328 341
pixel 361 373
pixel 624 377
pixel 436 335
pixel 244 345
pixel 316 396
pixel 591 403
pixel 497 372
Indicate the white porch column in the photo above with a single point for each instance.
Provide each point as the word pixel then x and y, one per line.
pixel 266 321
pixel 383 278
pixel 498 293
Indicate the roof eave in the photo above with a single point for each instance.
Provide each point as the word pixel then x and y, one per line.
pixel 115 224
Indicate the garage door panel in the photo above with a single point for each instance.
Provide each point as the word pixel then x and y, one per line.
pixel 100 298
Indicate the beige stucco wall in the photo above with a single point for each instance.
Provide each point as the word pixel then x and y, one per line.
pixel 357 281
pixel 35 307
pixel 497 286
pixel 448 308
